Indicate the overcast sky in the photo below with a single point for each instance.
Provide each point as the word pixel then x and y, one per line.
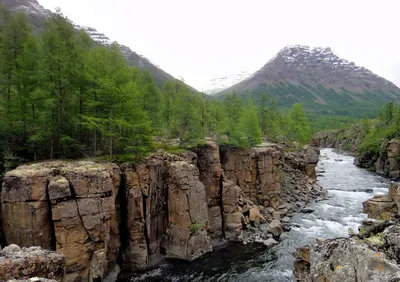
pixel 203 39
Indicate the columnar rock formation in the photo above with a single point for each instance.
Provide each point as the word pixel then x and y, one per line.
pixel 210 174
pixel 256 172
pixel 173 206
pixel 68 207
pixel 187 213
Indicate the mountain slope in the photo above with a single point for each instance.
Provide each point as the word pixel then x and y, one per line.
pixel 37 14
pixel 321 80
pixel 220 83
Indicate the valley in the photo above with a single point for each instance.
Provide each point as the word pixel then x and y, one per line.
pixel 112 169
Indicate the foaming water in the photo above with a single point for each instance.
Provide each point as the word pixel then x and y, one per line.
pixel 348 186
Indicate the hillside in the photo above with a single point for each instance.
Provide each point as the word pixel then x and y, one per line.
pixel 321 80
pixel 37 14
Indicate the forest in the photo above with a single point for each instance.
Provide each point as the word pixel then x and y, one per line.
pixel 64 96
pixel 385 127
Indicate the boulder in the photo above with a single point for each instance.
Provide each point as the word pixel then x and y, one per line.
pixel 22 264
pixel 256 217
pixel 312 155
pixel 233 226
pixel 270 242
pixel 275 227
pixel 380 207
pixel 307 210
pixel 346 260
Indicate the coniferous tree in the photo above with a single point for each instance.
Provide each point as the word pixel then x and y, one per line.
pixel 249 127
pixel 298 127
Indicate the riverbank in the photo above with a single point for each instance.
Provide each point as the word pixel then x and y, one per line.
pixel 348 186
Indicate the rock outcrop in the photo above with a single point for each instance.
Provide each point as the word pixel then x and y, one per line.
pixel 21 264
pixel 68 207
pixel 384 207
pixel 187 213
pixel 143 213
pixel 256 172
pixel 370 256
pixel 173 206
pixel 345 140
pixel 388 161
pixel 209 165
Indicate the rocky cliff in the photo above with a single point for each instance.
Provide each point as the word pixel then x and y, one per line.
pixel 370 255
pixel 99 215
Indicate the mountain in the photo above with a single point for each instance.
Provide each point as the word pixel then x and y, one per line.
pixel 220 83
pixel 319 79
pixel 37 14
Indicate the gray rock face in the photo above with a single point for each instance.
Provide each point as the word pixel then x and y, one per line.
pixel 23 263
pixel 365 258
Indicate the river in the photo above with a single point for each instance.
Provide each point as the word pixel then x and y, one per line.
pixel 348 186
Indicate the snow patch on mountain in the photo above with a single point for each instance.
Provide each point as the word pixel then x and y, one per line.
pixel 220 83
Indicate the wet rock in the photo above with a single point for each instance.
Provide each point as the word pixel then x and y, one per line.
pixel 301 268
pixel 256 217
pixel 307 210
pixel 346 259
pixel 270 242
pixel 264 228
pixel 275 227
pixel 234 223
pixel 22 264
pixel 380 207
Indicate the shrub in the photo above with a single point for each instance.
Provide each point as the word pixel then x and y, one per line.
pixel 196 227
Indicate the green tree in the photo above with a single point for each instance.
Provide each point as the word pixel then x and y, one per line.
pixel 59 66
pixel 298 127
pixel 249 127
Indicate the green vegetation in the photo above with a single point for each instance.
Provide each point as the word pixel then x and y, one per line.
pixel 63 96
pixel 196 227
pixel 376 240
pixel 385 127
pixel 326 108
